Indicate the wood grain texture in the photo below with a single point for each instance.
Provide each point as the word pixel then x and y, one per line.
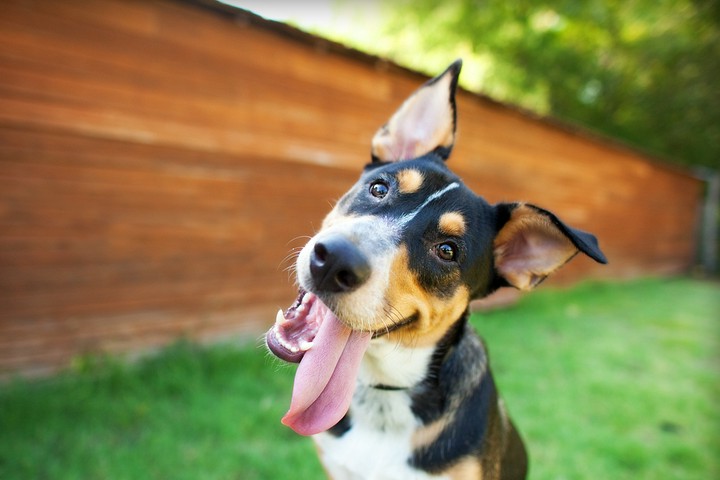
pixel 159 161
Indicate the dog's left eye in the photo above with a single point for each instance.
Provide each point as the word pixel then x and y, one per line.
pixel 446 251
pixel 379 189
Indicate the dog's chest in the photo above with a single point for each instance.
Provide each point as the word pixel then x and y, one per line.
pixel 379 443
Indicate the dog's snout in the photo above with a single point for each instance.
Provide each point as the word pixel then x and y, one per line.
pixel 337 265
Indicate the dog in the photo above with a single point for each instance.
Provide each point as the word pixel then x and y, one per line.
pixel 392 382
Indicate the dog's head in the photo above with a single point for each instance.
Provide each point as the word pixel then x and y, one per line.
pixel 408 246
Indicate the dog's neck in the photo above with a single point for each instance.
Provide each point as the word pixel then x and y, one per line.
pixel 388 365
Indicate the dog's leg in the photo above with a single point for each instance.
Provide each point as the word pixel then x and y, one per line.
pixel 514 463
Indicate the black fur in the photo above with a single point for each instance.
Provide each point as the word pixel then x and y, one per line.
pixel 457 401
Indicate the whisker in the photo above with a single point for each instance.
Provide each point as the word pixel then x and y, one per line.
pixel 290 259
pixel 294 251
pixel 386 319
pixel 291 256
pixel 396 317
pixel 299 237
pixel 393 316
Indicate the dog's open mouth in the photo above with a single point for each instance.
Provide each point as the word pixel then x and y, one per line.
pixel 295 329
pixel 329 353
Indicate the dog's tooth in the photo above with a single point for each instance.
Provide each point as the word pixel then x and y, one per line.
pixel 284 343
pixel 286 318
pixel 280 318
pixel 305 345
pixel 309 297
pixel 301 308
pixel 276 332
pixel 281 338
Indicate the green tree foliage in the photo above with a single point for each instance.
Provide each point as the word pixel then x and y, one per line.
pixel 644 71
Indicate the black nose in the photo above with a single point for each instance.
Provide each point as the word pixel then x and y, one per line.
pixel 336 265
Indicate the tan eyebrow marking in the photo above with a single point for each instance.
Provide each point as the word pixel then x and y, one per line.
pixel 409 180
pixel 452 223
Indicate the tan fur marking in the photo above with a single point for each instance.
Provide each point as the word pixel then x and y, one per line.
pixel 409 181
pixel 469 468
pixel 452 223
pixel 529 248
pixel 405 297
pixel 426 435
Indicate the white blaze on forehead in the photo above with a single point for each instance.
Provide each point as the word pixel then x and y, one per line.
pixel 376 237
pixel 408 217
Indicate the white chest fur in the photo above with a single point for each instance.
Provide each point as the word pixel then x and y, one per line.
pixel 379 444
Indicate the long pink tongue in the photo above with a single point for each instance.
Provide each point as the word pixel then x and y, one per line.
pixel 325 378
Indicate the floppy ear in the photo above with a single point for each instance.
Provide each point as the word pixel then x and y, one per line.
pixel 533 243
pixel 424 123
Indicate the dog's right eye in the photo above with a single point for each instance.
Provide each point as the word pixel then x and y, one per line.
pixel 379 189
pixel 446 251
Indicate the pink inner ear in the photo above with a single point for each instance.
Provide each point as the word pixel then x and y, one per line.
pixel 423 123
pixel 532 251
pixel 529 248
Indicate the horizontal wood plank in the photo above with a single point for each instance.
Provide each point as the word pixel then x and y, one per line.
pixel 156 184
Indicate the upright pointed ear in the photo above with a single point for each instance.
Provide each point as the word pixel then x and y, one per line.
pixel 533 243
pixel 424 123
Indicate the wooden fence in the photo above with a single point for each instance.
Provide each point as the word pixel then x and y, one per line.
pixel 159 160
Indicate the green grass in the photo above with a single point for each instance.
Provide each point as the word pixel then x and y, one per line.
pixel 613 381
pixel 605 381
pixel 189 413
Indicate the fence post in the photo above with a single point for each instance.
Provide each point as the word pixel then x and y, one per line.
pixel 710 219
